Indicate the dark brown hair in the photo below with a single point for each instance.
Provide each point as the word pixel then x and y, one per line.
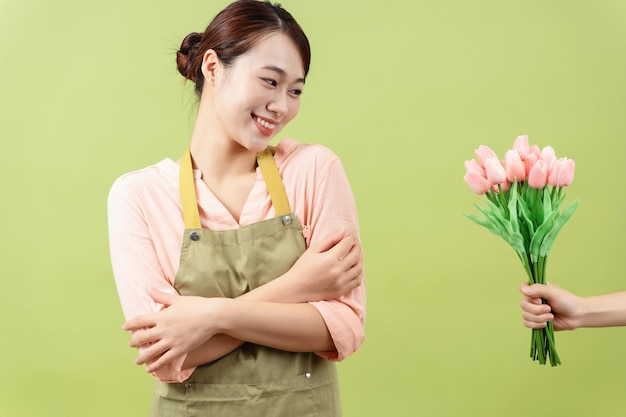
pixel 233 32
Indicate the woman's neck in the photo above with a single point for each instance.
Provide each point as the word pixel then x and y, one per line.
pixel 228 169
pixel 217 156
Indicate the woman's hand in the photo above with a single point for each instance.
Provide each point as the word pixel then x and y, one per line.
pixel 328 269
pixel 183 325
pixel 563 307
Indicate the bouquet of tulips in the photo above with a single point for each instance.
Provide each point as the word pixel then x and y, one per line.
pixel 524 193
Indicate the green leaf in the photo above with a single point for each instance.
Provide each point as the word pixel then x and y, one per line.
pixel 540 233
pixel 547 204
pixel 515 238
pixel 495 215
pixel 538 208
pixel 484 222
pixel 496 222
pixel 557 196
pixel 529 226
pixel 548 240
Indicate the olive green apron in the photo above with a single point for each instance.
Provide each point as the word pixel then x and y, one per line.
pixel 253 380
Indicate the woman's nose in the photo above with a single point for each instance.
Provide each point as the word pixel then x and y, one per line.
pixel 278 104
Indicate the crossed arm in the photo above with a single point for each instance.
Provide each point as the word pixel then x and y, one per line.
pixel 276 315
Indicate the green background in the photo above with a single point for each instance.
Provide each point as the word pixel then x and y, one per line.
pixel 403 92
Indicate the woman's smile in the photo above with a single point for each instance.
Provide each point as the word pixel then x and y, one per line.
pixel 266 126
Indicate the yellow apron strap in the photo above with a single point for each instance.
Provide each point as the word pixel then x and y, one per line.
pixel 191 216
pixel 273 182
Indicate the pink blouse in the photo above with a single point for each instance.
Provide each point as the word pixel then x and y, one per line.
pixel 146 230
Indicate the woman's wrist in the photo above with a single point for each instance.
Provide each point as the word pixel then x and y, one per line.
pixel 221 314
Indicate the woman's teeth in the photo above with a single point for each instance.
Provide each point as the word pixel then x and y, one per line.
pixel 265 123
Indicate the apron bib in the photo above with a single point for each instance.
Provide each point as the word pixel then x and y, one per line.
pixel 252 380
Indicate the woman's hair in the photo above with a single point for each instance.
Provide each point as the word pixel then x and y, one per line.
pixel 233 32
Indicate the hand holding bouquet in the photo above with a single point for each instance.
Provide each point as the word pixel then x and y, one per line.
pixel 523 195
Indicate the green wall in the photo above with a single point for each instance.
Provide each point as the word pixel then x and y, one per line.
pixel 403 92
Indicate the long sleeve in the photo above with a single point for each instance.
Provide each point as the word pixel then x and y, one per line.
pixel 137 256
pixel 330 206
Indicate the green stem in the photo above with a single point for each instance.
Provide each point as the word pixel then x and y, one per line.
pixel 503 202
pixel 542 340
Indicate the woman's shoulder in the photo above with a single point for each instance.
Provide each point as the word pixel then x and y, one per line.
pixel 149 180
pixel 291 152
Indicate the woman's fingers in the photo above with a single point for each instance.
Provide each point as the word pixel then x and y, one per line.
pixel 347 246
pixel 534 313
pixel 140 322
pixel 163 360
pixel 143 337
pixel 161 297
pixel 328 242
pixel 152 352
pixel 534 306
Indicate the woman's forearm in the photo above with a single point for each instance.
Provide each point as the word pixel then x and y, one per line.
pixel 290 327
pixel 216 347
pixel 604 310
pixel 279 290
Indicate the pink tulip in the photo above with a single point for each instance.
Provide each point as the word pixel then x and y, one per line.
pixel 535 151
pixel 521 146
pixel 548 155
pixel 478 183
pixel 515 170
pixel 505 186
pixel 562 172
pixel 538 175
pixel 483 153
pixel 473 165
pixel 530 161
pixel 495 171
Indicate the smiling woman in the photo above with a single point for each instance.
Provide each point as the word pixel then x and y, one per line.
pixel 239 267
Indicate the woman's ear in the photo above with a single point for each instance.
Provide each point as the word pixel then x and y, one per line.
pixel 211 65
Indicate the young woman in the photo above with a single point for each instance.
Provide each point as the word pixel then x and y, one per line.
pixel 239 267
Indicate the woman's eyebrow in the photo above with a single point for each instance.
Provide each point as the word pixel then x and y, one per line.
pixel 281 72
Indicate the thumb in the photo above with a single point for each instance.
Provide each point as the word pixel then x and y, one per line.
pixel 161 297
pixel 538 290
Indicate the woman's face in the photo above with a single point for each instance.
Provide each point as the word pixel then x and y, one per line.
pixel 260 93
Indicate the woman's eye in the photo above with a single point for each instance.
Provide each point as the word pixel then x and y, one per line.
pixel 271 82
pixel 296 92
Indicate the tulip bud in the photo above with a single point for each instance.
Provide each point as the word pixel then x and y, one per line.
pixel 548 155
pixel 473 165
pixel 505 186
pixel 495 171
pixel 483 153
pixel 562 172
pixel 535 151
pixel 521 146
pixel 538 175
pixel 530 161
pixel 477 182
pixel 567 174
pixel 515 170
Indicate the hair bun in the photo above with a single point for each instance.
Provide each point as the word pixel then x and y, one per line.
pixel 186 54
